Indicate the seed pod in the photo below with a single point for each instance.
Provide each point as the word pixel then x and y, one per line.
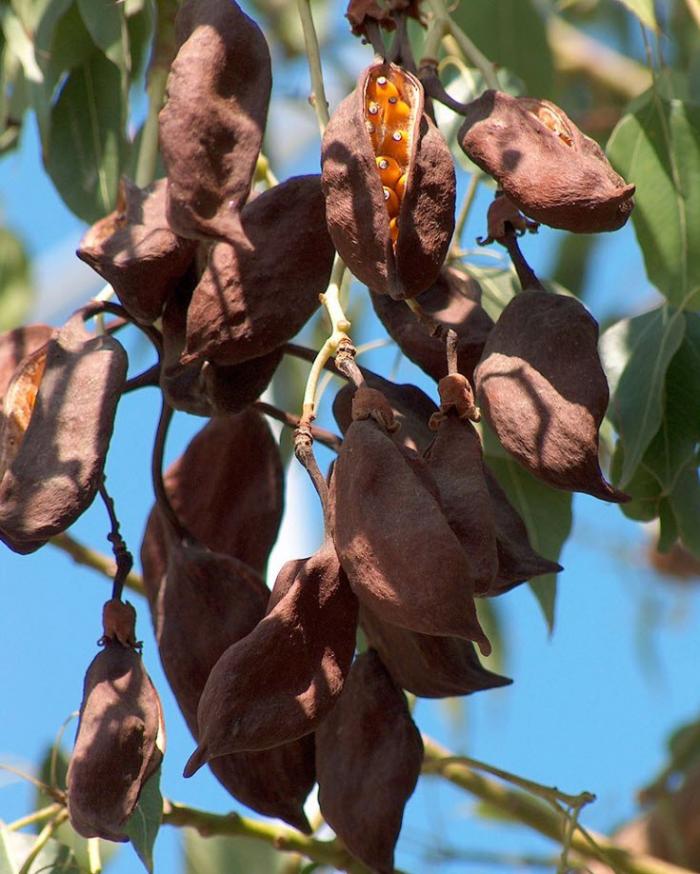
pixel 517 560
pixel 279 682
pixel 219 86
pixel 409 568
pixel 542 388
pixel 136 251
pixel 18 405
pixel 390 101
pixel 368 758
pixel 15 346
pixel 256 293
pixel 57 467
pixel 454 300
pixel 426 665
pixel 234 506
pixel 546 166
pixel 455 460
pixel 115 749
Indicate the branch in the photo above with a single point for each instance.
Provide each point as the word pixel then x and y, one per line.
pixel 317 97
pixel 539 816
pixel 327 438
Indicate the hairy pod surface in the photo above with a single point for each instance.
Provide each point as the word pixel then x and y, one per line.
pixel 279 682
pixel 233 506
pixel 219 87
pixel 137 252
pixel 456 462
pixel 542 388
pixel 426 665
pixel 454 300
pixel 389 182
pixel 368 759
pixel 115 749
pixel 547 167
pixel 58 462
pixel 257 292
pixel 403 560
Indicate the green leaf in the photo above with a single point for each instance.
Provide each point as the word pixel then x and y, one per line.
pixel 86 146
pixel 498 286
pixel 643 488
pixel 16 289
pixel 222 854
pixel 105 22
pixel 657 146
pixel 53 858
pixel 685 501
pixel 511 33
pixel 648 343
pixel 545 511
pixel 644 10
pixel 144 823
pixel 18 41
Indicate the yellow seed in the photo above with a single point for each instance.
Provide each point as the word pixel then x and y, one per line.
pixel 381 89
pixel 397 113
pixel 389 170
pixel 394 229
pixel 400 187
pixel 391 202
pixel 395 145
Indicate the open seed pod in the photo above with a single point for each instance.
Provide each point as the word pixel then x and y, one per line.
pixel 389 182
pixel 136 251
pixel 403 560
pixel 118 744
pixel 517 560
pixel 455 460
pixel 256 293
pixel 219 87
pixel 368 758
pixel 541 386
pixel 426 665
pixel 546 166
pixel 454 300
pixel 61 434
pixel 15 346
pixel 279 682
pixel 201 387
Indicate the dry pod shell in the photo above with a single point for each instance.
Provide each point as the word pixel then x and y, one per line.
pixel 115 749
pixel 57 467
pixel 18 403
pixel 541 386
pixel 454 300
pixel 233 506
pixel 402 558
pixel 544 164
pixel 455 460
pixel 426 665
pixel 368 758
pixel 280 681
pixel 15 346
pixel 219 87
pixel 389 182
pixel 256 293
pixel 136 251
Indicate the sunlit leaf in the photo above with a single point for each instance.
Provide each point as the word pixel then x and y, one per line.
pixel 106 24
pixel 15 847
pixel 144 823
pixel 498 286
pixel 644 10
pixel 215 855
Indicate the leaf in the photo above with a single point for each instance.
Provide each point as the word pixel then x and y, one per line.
pixel 16 289
pixel 511 33
pixel 545 511
pixel 657 146
pixel 649 341
pixel 20 44
pixel 86 144
pixel 54 858
pixel 644 10
pixel 685 501
pixel 498 286
pixel 216 854
pixel 105 22
pixel 144 823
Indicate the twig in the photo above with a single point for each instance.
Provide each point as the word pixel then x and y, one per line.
pixel 36 816
pixel 162 499
pixel 327 438
pixel 82 554
pixel 148 379
pixel 42 840
pixel 467 47
pixel 317 97
pixel 95 307
pixel 122 556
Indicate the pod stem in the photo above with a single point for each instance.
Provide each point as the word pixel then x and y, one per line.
pixel 327 438
pixel 317 98
pixel 164 505
pixel 123 558
pixel 526 275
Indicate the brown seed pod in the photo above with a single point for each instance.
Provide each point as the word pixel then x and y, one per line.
pixel 16 345
pixel 426 665
pixel 115 749
pixel 404 259
pixel 256 293
pixel 545 165
pixel 454 300
pixel 403 560
pixel 233 506
pixel 18 405
pixel 57 468
pixel 279 682
pixel 455 460
pixel 136 251
pixel 541 386
pixel 368 758
pixel 219 86
pixel 517 560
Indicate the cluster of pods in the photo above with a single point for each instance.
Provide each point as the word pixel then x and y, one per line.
pixel 270 682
